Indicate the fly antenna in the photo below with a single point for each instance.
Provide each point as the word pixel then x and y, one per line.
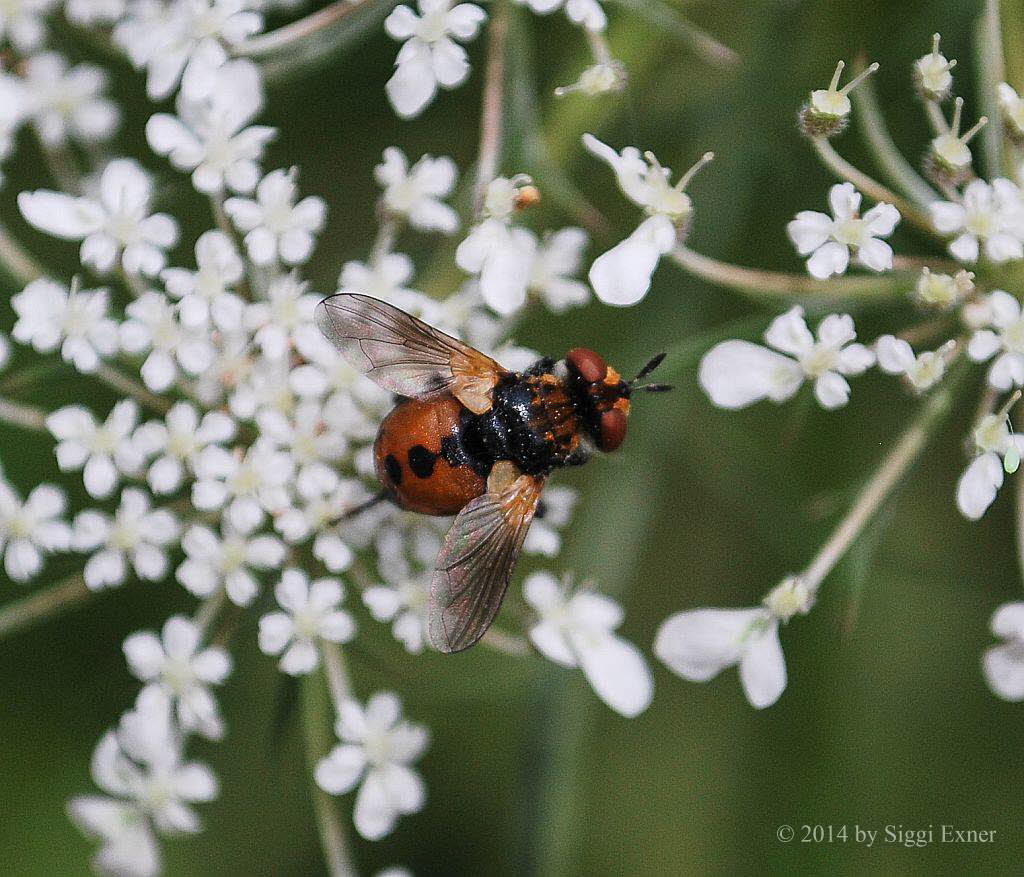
pixel 653 388
pixel 647 369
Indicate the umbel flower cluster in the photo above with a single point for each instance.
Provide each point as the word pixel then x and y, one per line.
pixel 239 446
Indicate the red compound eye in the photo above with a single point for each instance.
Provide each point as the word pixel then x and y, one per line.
pixel 613 430
pixel 588 365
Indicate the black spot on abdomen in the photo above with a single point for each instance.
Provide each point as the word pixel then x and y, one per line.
pixel 421 461
pixel 393 468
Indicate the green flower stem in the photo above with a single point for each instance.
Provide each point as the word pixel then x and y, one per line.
pixel 668 18
pixel 227 228
pixel 15 261
pixel 768 285
pixel 207 611
pixel 124 384
pixel 338 682
pixel 991 65
pixel 316 721
pixel 298 31
pixel 506 643
pixel 885 479
pixel 17 381
pixel 23 416
pixel 871 124
pixel 492 112
pixel 43 605
pixel 872 188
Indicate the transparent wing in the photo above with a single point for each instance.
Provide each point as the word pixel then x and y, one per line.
pixel 405 355
pixel 476 563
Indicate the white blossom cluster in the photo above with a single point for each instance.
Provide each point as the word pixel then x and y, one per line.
pixel 980 224
pixel 239 440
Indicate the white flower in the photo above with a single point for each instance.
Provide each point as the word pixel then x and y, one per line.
pixel 404 603
pixel 990 216
pixel 49 316
pixel 150 789
pixel 996 449
pixel 176 663
pixel 228 562
pixel 118 223
pixel 1012 108
pixel 1004 663
pixel 429 56
pixel 700 644
pixel 184 41
pixel 736 373
pixel 104 453
pixel 923 371
pixel 552 270
pixel 153 329
pixel 21 23
pixel 178 441
pixel 209 136
pixel 326 499
pixel 500 254
pixel 622 276
pixel 136 535
pixel 205 294
pixel 90 12
pixel 68 103
pixel 311 614
pixel 377 747
pixel 288 307
pixel 385 279
pixel 585 13
pixel 274 225
pixel 32 528
pixel 248 485
pixel 553 514
pixel 1003 313
pixel 418 193
pixel 830 239
pixel 311 444
pixel 577 631
pixel 14 108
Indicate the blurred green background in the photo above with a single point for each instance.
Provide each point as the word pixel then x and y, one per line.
pixel 886 719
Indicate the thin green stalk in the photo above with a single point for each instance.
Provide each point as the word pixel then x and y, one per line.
pixel 16 261
pixel 988 49
pixel 767 285
pixel 43 605
pixel 492 114
pixel 124 384
pixel 22 416
pixel 316 721
pixel 885 479
pixel 871 124
pixel 872 188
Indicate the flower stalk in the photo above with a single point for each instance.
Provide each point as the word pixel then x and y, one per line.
pixel 492 111
pixel 43 605
pixel 881 485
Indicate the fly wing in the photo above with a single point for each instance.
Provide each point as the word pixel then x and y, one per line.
pixel 476 563
pixel 405 355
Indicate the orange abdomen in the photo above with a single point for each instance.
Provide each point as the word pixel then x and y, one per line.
pixel 408 461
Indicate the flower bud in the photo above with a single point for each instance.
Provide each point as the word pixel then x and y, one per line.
pixel 790 597
pixel 602 78
pixel 828 110
pixel 949 160
pixel 943 290
pixel 1012 107
pixel 931 74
